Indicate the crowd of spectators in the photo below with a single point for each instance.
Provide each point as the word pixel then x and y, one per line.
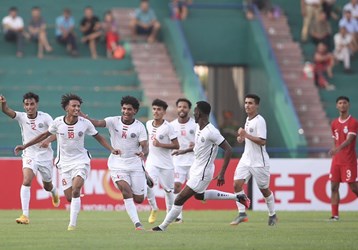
pixel 144 22
pixel 331 49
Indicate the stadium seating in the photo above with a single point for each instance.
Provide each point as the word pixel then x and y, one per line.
pixel 345 84
pixel 101 83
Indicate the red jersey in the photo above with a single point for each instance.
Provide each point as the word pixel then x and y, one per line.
pixel 340 131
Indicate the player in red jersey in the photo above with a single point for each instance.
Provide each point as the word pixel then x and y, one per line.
pixel 344 157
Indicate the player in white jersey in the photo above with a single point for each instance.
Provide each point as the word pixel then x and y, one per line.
pixel 130 137
pixel 184 127
pixel 73 160
pixel 38 158
pixel 255 160
pixel 207 141
pixel 159 164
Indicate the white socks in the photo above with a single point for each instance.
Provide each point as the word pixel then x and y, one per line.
pixel 131 210
pixel 169 200
pixel 53 191
pixel 75 209
pixel 218 195
pixel 180 216
pixel 240 206
pixel 171 216
pixel 270 202
pixel 151 199
pixel 25 195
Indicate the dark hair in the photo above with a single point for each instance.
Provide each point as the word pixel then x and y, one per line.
pixel 30 95
pixel 183 100
pixel 160 103
pixel 67 10
pixel 342 97
pixel 65 99
pixel 255 97
pixel 88 7
pixel 204 107
pixel 130 100
pixel 13 8
pixel 36 8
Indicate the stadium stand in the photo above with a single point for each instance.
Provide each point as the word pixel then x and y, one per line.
pixel 345 84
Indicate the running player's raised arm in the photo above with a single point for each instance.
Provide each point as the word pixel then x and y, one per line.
pixel 5 109
pixel 34 141
pixel 96 123
pixel 106 145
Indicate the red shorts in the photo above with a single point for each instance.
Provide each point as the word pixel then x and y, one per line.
pixel 343 173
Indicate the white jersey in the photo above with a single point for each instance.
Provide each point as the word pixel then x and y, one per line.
pixel 207 141
pixel 255 155
pixel 186 135
pixel 30 128
pixel 126 138
pixel 70 142
pixel 160 157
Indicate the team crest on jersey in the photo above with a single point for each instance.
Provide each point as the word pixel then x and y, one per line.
pixel 116 130
pixel 80 133
pixel 133 135
pixel 345 130
pixel 251 130
pixel 161 137
pixel 191 131
pixel 41 125
pixel 202 139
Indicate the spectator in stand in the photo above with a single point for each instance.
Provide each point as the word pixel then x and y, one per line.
pixel 310 9
pixel 145 22
pixel 179 9
pixel 13 27
pixel 37 31
pixel 328 6
pixel 91 30
pixel 321 30
pixel 323 65
pixel 343 48
pixel 65 34
pixel 110 28
pixel 353 7
pixel 349 22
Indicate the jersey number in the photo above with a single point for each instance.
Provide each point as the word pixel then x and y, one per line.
pixel 71 135
pixel 348 174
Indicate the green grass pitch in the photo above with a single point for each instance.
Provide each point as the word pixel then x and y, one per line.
pixel 200 230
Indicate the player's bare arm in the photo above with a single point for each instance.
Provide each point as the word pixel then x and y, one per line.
pixel 96 123
pixel 34 141
pixel 259 141
pixel 5 109
pixel 106 145
pixel 184 151
pixel 227 156
pixel 348 141
pixel 173 145
pixel 144 152
pixel 45 143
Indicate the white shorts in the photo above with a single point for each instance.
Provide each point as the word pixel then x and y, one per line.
pixel 44 167
pixel 260 174
pixel 181 174
pixel 135 179
pixel 197 184
pixel 67 177
pixel 165 177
